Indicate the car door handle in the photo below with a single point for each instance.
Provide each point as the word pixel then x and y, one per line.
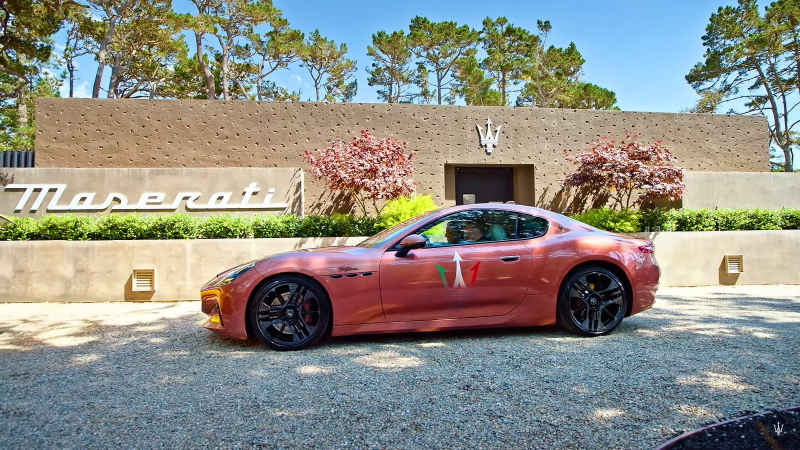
pixel 509 258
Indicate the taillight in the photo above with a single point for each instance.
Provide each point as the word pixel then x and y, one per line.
pixel 647 248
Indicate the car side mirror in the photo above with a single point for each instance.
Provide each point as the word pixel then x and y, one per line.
pixel 409 243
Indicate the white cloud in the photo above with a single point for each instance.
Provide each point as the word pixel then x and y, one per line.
pixel 82 90
pixel 296 78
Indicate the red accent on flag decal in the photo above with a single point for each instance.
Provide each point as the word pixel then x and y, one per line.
pixel 474 271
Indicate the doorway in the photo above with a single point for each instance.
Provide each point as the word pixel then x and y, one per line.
pixel 484 185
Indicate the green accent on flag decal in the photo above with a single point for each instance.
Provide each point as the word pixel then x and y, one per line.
pixel 441 274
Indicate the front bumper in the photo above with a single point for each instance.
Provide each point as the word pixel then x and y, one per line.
pixel 226 305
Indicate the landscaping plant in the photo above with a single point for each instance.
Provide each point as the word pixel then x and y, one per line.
pixel 623 168
pixel 404 208
pixel 368 169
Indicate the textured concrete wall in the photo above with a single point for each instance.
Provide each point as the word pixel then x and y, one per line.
pixel 188 190
pixel 741 190
pixel 696 258
pixel 100 271
pixel 137 133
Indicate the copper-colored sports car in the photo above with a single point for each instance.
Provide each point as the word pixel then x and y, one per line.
pixel 476 266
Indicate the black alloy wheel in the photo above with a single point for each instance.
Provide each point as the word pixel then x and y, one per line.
pixel 290 313
pixel 592 302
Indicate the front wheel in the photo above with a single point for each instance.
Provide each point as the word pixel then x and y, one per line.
pixel 290 313
pixel 592 302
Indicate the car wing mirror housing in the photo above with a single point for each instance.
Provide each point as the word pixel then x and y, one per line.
pixel 409 243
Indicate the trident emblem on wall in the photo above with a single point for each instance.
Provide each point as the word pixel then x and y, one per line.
pixel 489 141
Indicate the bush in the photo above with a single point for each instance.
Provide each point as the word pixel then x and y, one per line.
pixel 657 220
pixel 182 226
pixel 224 226
pixel 66 227
pixel 276 226
pixel 19 229
pixel 693 219
pixel 119 227
pixel 790 219
pixel 404 208
pixel 171 226
pixel 626 221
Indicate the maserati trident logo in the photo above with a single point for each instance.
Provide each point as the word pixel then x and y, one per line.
pixel 489 141
pixel 778 428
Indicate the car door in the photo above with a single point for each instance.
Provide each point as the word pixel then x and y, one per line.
pixel 461 272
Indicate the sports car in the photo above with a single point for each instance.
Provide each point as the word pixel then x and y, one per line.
pixel 474 266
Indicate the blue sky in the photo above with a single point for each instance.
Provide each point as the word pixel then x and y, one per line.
pixel 641 49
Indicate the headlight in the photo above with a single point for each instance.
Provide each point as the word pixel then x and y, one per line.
pixel 234 274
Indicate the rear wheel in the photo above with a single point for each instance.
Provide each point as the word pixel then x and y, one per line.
pixel 290 313
pixel 592 302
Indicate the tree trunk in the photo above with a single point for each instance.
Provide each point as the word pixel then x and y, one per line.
pixel 788 157
pixel 22 106
pixel 101 55
pixel 224 68
pixel 209 77
pixel 71 71
pixel 439 87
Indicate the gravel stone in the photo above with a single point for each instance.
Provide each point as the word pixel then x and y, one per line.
pixel 146 375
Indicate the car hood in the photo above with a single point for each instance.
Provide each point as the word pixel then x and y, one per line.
pixel 322 261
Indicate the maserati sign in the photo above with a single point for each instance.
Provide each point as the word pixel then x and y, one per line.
pixel 488 140
pixel 148 201
pixel 33 192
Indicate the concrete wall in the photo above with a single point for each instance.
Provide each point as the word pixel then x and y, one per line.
pixel 67 271
pixel 769 190
pixel 197 133
pixel 137 186
pixel 696 258
pixel 101 271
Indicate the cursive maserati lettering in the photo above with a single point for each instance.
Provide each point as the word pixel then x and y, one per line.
pixel 34 195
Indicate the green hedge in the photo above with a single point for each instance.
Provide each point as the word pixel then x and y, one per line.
pixel 182 226
pixel 226 226
pixel 691 219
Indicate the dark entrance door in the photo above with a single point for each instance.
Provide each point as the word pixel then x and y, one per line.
pixel 487 184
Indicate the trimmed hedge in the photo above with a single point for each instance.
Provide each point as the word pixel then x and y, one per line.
pixel 181 226
pixel 691 219
pixel 225 226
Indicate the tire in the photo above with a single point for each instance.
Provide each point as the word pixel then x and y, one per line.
pixel 290 313
pixel 592 302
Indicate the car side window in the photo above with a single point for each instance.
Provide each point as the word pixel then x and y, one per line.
pixel 470 227
pixel 530 227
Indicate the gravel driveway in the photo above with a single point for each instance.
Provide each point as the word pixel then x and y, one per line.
pixel 147 376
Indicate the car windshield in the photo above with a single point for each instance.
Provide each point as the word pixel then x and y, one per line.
pixel 388 233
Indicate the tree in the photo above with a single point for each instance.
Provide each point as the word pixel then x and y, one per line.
pixel 553 79
pixel 330 70
pixel 275 50
pixel 78 43
pixel 472 84
pixel 111 14
pixel 440 45
pixel 144 50
pixel 366 168
pixel 391 69
pixel 201 24
pixel 26 28
pixel 621 169
pixel 754 60
pixel 509 50
pixel 234 20
pixel 18 133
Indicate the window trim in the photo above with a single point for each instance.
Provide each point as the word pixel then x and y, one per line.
pixel 394 247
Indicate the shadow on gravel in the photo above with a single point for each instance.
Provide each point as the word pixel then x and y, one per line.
pixel 151 376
